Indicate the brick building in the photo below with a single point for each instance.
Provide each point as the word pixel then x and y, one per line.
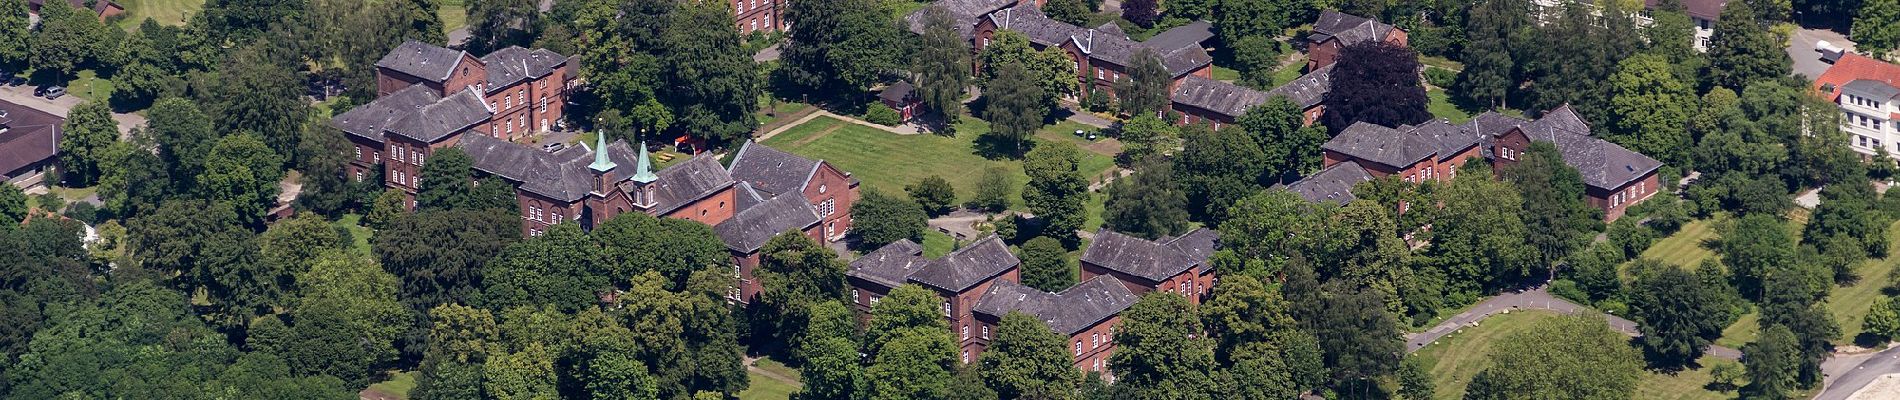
pixel 1430 151
pixel 1614 178
pixel 1170 264
pixel 1335 30
pixel 771 172
pixel 525 89
pixel 1087 314
pixel 959 278
pixel 1203 100
pixel 759 16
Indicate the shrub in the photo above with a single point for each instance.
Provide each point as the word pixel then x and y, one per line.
pixel 1440 77
pixel 881 114
pixel 933 193
pixel 1566 289
pixel 84 212
pixel 50 201
pixel 992 190
pixel 1099 101
pixel 1630 237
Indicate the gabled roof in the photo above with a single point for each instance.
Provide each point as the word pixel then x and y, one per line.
pixel 1181 37
pixel 1179 52
pixel 1564 118
pixel 1332 184
pixel 771 171
pixel 1197 245
pixel 1038 27
pixel 1386 146
pixel 370 120
pixel 1448 140
pixel 1349 29
pixel 1131 255
pixel 515 64
pixel 1308 90
pixel 967 266
pixel 964 12
pixel 1604 165
pixel 29 136
pixel 438 120
pixel 896 92
pixel 890 265
pixel 1855 67
pixel 687 182
pixel 1072 311
pixel 749 229
pixel 561 175
pixel 1220 97
pixel 422 60
pixel 1492 124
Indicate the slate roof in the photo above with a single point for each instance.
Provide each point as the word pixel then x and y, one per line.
pixel 30 136
pixel 1220 97
pixel 437 120
pixel 1179 52
pixel 1387 146
pixel 369 120
pixel 1074 310
pixel 1880 90
pixel 1332 184
pixel 967 266
pixel 559 175
pixel 1349 29
pixel 1197 245
pixel 686 182
pixel 1308 90
pixel 1131 255
pixel 1492 124
pixel 422 60
pixel 745 196
pixel 896 92
pixel 890 265
pixel 515 64
pixel 1604 165
pixel 771 171
pixel 1184 36
pixel 964 12
pixel 99 7
pixel 749 229
pixel 1040 29
pixel 1564 118
pixel 1447 140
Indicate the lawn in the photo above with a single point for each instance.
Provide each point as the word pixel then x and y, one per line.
pixel 399 384
pixel 454 15
pixel 886 162
pixel 166 12
pixel 1848 304
pixel 1686 248
pixel 764 387
pixel 1455 359
pixel 1225 74
pixel 90 86
pixel 1288 73
pixel 936 243
pixel 359 234
pixel 1440 106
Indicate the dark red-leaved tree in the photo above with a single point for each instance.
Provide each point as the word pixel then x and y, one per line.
pixel 1141 12
pixel 1375 82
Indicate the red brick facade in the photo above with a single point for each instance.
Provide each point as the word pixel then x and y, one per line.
pixel 759 15
pixel 1322 54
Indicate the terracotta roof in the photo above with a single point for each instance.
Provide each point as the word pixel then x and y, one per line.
pixel 771 171
pixel 1151 260
pixel 1332 184
pixel 422 60
pixel 1072 311
pixel 890 265
pixel 1855 67
pixel 967 266
pixel 30 136
pixel 749 229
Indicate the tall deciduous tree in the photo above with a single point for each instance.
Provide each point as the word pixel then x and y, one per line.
pixel 89 130
pixel 915 363
pixel 496 24
pixel 840 47
pixel 1074 12
pixel 1678 313
pixel 346 317
pixel 634 243
pixel 1015 107
pixel 1046 265
pixel 1146 90
pixel 1148 204
pixel 1159 353
pixel 1572 357
pixel 1771 361
pixel 68 38
pixel 1877 26
pixel 1141 12
pixel 879 219
pixel 259 91
pixel 1291 147
pixel 1147 135
pixel 933 193
pixel 1217 168
pixel 1742 51
pixel 1650 108
pixel 1375 82
pixel 446 180
pixel 16 38
pixel 1362 338
pixel 942 69
pixel 908 307
pixel 561 268
pixel 243 172
pixel 1479 240
pixel 1555 214
pixel 1027 362
pixel 439 254
pixel 1056 192
pixel 711 81
pixel 794 272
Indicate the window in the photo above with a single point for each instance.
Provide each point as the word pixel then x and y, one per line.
pixel 854 297
pixel 1098 73
pixel 1095 340
pixel 1097 365
pixel 828 207
pixel 534 213
pixel 359 176
pixel 966 332
pixel 558 217
pixel 875 298
pixel 359 153
pixel 986 332
pixel 946 308
pixel 821 188
pixel 1078 347
pixel 418 157
pixel 966 356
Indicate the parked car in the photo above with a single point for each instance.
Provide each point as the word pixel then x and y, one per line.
pixel 39 91
pixel 55 92
pixel 553 147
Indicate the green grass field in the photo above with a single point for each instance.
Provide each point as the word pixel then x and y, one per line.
pixel 886 162
pixel 399 384
pixel 1686 248
pixel 1848 304
pixel 90 86
pixel 1225 74
pixel 936 244
pixel 1455 359
pixel 1288 73
pixel 454 15
pixel 1440 106
pixel 764 387
pixel 167 12
pixel 359 234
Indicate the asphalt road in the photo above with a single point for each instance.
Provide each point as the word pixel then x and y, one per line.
pixel 1843 386
pixel 1801 48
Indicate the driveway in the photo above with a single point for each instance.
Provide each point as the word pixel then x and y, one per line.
pixel 23 95
pixel 1842 381
pixel 1801 48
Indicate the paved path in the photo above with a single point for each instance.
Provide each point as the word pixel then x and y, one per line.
pixel 1534 299
pixel 23 95
pixel 1847 374
pixel 770 53
pixel 905 129
pixel 1085 118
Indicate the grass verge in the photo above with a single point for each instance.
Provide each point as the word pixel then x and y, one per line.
pixel 165 12
pixel 399 384
pixel 886 162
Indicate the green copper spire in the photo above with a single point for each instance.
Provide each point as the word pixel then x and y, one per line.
pixel 643 171
pixel 601 163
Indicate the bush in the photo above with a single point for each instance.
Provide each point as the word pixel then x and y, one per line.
pixel 933 193
pixel 1099 101
pixel 1440 77
pixel 84 212
pixel 992 190
pixel 50 201
pixel 1630 237
pixel 881 114
pixel 1566 289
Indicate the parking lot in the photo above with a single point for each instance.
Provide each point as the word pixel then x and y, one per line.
pixel 23 95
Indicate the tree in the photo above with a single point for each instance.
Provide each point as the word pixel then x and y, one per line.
pixel 1291 147
pixel 1073 12
pixel 1217 168
pixel 908 307
pixel 346 318
pixel 1756 247
pixel 1050 68
pixel 1742 51
pixel 993 190
pixel 446 180
pixel 913 364
pixel 1650 108
pixel 243 172
pixel 496 24
pixel 933 193
pixel 1148 204
pixel 942 68
pixel 1571 357
pixel 1877 27
pixel 1496 30
pixel 1244 312
pixel 1479 240
pixel 1375 82
pixel 793 273
pixel 439 254
pixel 1158 354
pixel 1672 36
pixel 67 39
pixel 832 371
pixel 1771 362
pixel 1415 380
pixel 1146 90
pixel 288 248
pixel 258 90
pixel 712 83
pixel 1141 12
pixel 634 243
pixel 1046 265
pixel 12 204
pixel 1677 313
pixel 838 48
pixel 1057 193
pixel 1256 57
pixel 90 129
pixel 183 133
pixel 561 268
pixel 1363 337
pixel 1015 107
pixel 387 207
pixel 16 37
pixel 1147 135
pixel 1555 214
pixel 1192 10
pixel 1573 54
pixel 1883 319
pixel 880 219
pixel 134 180
pixel 1027 361
pixel 1270 229
pixel 1237 22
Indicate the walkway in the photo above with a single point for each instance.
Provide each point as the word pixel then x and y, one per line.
pixel 1534 299
pixel 905 129
pixel 1847 374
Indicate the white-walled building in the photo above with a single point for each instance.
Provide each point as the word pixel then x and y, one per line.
pixel 1868 92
